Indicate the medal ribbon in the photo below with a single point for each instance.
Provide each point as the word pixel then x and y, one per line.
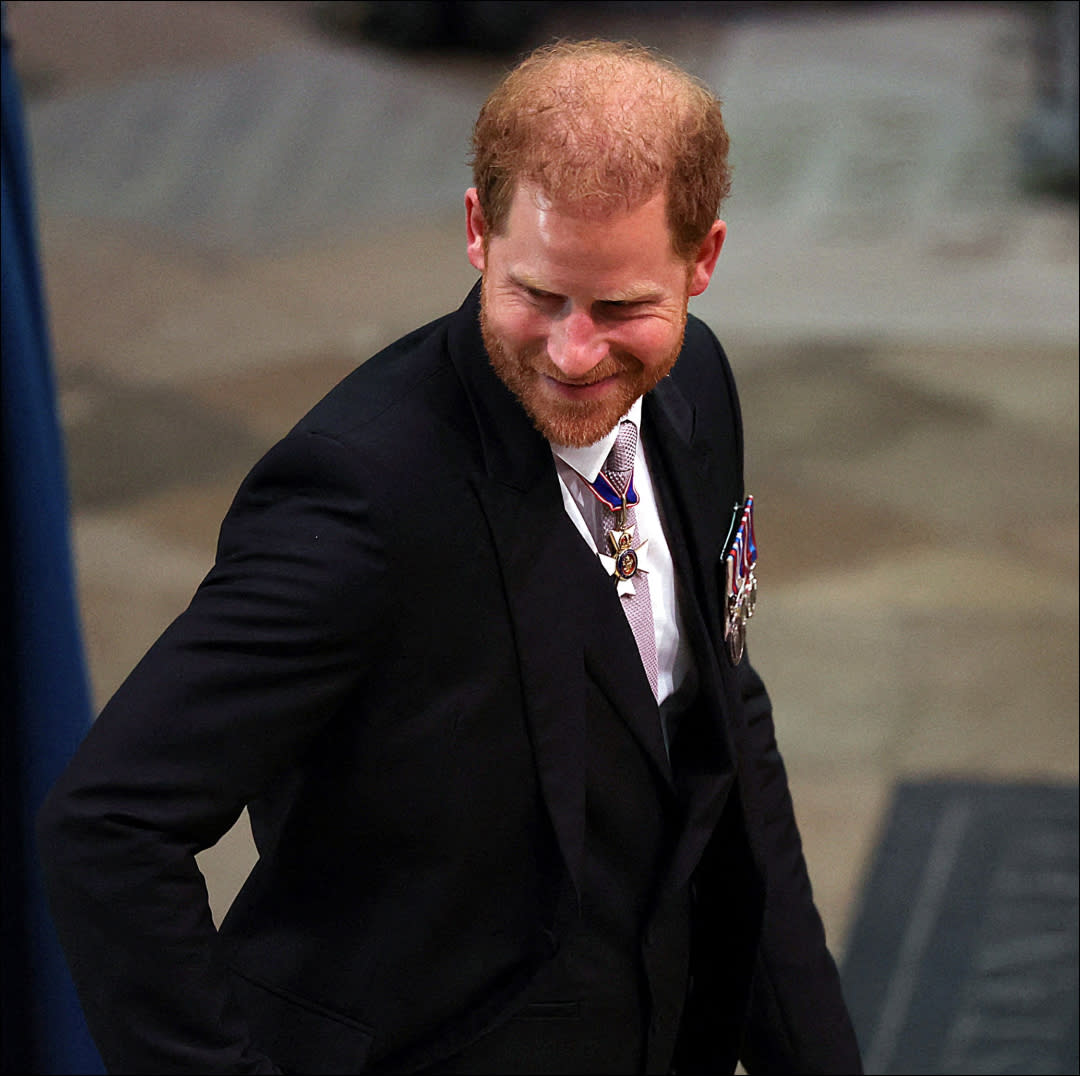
pixel 743 554
pixel 604 491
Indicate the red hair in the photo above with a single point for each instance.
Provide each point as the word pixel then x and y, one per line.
pixel 599 126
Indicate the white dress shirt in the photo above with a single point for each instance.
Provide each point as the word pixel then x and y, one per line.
pixel 579 466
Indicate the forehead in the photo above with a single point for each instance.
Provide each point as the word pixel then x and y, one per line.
pixel 541 231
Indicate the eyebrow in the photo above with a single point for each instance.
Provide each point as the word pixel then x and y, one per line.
pixel 635 293
pixel 523 280
pixel 642 294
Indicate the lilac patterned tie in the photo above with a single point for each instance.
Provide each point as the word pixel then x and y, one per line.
pixel 618 469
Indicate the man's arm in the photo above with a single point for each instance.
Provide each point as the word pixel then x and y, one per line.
pixel 222 704
pixel 798 1020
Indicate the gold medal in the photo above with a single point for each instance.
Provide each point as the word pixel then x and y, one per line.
pixel 626 564
pixel 626 560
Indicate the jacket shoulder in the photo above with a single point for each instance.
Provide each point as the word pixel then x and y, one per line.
pixel 704 375
pixel 399 374
pixel 703 356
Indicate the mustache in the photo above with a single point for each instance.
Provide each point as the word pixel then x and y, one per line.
pixel 610 366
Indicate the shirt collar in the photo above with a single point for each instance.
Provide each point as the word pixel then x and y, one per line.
pixel 587 461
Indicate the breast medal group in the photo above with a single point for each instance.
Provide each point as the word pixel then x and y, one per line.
pixel 741 590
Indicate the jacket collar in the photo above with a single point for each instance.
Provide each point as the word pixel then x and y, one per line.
pixel 514 452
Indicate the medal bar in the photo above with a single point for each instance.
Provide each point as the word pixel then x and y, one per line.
pixel 741 581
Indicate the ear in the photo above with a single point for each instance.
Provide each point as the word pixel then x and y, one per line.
pixel 475 230
pixel 701 270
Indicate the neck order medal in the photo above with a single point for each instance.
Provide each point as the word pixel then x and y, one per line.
pixel 623 561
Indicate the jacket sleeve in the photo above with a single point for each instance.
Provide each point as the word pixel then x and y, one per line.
pixel 798 1020
pixel 273 640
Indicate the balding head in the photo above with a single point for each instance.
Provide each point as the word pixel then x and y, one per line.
pixel 597 127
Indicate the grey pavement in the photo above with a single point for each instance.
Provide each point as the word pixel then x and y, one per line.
pixel 236 208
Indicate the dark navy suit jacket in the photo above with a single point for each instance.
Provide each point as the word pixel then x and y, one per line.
pixel 393 663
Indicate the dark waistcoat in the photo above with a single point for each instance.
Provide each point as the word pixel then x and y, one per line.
pixel 618 981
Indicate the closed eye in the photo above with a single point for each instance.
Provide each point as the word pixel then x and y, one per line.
pixel 541 297
pixel 618 308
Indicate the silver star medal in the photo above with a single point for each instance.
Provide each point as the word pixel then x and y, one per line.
pixel 624 561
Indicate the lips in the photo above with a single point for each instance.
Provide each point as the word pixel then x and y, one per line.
pixel 581 390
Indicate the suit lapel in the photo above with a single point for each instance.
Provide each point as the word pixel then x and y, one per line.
pixel 695 508
pixel 696 518
pixel 537 558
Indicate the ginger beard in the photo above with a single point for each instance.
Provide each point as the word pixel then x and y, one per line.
pixel 526 372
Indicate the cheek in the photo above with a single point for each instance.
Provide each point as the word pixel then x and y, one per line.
pixel 650 343
pixel 518 325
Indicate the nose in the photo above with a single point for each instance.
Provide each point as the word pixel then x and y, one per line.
pixel 575 345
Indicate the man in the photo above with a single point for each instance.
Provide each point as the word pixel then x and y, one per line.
pixel 518 806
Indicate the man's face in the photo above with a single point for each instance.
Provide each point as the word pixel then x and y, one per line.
pixel 581 315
